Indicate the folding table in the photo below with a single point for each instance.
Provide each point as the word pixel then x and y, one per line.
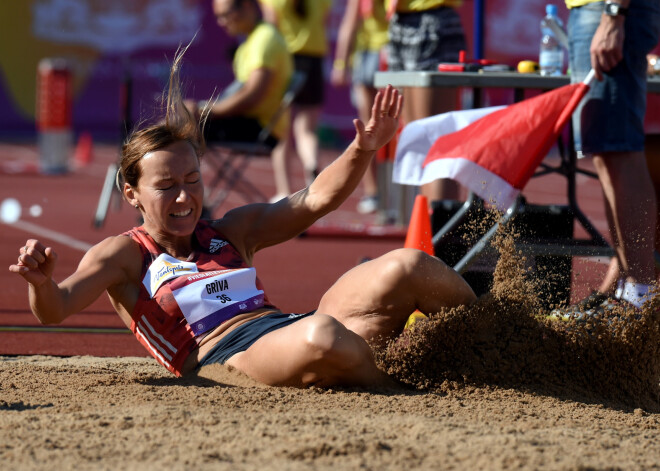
pixel 595 244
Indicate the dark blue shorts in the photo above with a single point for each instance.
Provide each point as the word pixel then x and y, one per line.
pixel 242 338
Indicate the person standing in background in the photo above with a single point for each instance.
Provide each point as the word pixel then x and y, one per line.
pixel 302 23
pixel 422 34
pixel 359 53
pixel 613 38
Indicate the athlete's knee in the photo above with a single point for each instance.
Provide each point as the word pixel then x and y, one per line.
pixel 321 335
pixel 330 343
pixel 403 263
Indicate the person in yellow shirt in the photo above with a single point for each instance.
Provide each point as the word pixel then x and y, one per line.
pixel 422 34
pixel 302 23
pixel 359 53
pixel 262 68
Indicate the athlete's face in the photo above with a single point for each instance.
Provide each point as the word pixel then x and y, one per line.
pixel 170 191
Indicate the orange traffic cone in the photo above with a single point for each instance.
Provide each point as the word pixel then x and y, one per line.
pixel 83 152
pixel 419 229
pixel 419 237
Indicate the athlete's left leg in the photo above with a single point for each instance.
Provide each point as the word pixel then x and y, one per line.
pixel 374 299
pixel 317 350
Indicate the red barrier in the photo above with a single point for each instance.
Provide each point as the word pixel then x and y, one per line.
pixel 54 109
pixel 53 95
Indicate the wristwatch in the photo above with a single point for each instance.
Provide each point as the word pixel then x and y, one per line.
pixel 614 9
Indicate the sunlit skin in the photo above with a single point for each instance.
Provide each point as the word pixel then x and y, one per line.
pixel 607 44
pixel 170 196
pixel 370 301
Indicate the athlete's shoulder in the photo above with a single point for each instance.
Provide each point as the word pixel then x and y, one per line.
pixel 116 249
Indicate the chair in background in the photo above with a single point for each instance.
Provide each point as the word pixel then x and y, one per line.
pixel 229 160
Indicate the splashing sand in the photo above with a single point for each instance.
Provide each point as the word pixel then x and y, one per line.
pixel 506 339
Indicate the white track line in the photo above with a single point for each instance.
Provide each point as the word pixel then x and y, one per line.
pixel 55 236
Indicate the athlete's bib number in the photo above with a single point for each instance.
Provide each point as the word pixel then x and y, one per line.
pixel 207 299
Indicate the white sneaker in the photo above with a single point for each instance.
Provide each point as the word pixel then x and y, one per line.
pixel 367 205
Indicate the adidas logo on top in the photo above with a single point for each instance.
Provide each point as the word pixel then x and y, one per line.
pixel 216 244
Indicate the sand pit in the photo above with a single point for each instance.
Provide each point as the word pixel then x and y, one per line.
pixel 129 413
pixel 508 339
pixel 493 386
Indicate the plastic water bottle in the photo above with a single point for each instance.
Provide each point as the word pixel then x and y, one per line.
pixel 551 55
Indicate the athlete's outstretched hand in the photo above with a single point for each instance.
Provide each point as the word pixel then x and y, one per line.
pixel 384 121
pixel 35 262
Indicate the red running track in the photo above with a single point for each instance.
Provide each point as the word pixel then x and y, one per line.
pixel 295 273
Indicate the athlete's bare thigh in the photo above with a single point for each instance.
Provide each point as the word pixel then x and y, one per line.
pixel 371 299
pixel 297 354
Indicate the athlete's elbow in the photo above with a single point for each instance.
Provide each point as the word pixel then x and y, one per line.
pixel 323 202
pixel 48 316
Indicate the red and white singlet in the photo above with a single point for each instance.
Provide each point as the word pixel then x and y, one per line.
pixel 181 301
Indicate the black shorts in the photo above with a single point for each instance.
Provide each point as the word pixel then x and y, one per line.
pixel 235 129
pixel 313 90
pixel 242 338
pixel 421 40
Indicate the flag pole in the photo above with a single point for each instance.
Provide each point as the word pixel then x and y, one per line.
pixel 589 78
pixel 573 102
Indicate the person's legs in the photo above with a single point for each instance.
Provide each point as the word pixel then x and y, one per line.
pixel 279 160
pixel 307 110
pixel 375 298
pixel 363 93
pixel 630 197
pixel 614 275
pixel 305 122
pixel 609 283
pixel 314 351
pixel 608 124
pixel 330 347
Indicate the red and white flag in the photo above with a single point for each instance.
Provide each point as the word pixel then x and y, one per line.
pixel 491 151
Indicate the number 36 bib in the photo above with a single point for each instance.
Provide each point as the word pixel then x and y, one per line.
pixel 207 299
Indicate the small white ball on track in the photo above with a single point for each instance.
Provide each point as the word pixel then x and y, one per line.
pixel 10 211
pixel 36 210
